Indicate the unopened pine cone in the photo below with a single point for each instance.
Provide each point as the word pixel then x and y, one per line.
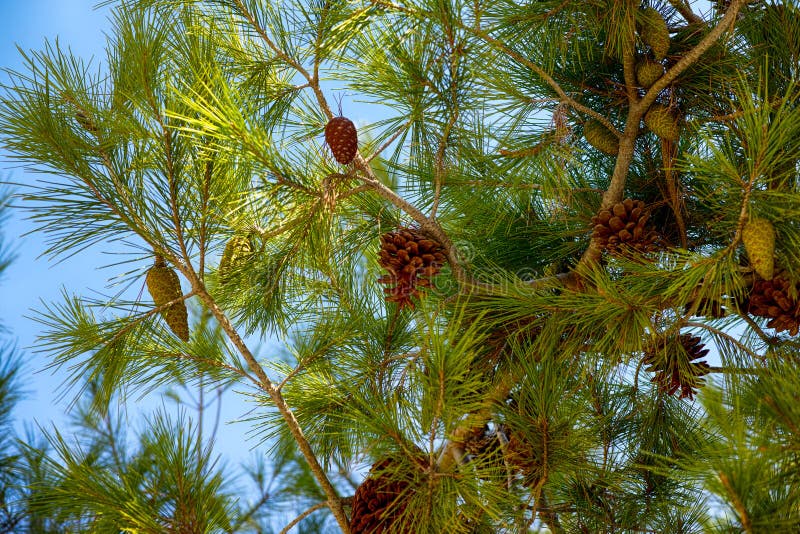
pixel 654 32
pixel 758 236
pixel 600 137
pixel 663 122
pixel 411 260
pixel 776 300
pixel 342 137
pixel 674 363
pixel 164 286
pixel 379 501
pixel 238 251
pixel 624 225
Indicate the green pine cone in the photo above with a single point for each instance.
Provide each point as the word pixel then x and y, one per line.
pixel 758 236
pixel 648 72
pixel 601 138
pixel 238 250
pixel 660 120
pixel 165 286
pixel 654 32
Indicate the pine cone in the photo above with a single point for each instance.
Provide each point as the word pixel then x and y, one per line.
pixel 379 501
pixel 662 122
pixel 654 32
pixel 341 136
pixel 758 236
pixel 775 299
pixel 487 446
pixel 601 138
pixel 624 225
pixel 525 458
pixel 165 286
pixel 412 260
pixel 237 251
pixel 673 362
pixel 648 72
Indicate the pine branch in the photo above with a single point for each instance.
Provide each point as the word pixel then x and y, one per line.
pixel 302 516
pixel 686 12
pixel 499 45
pixel 737 502
pixel 334 501
pixel 693 55
pixel 635 113
pixel 426 223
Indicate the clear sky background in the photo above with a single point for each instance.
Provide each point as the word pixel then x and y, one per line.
pixel 33 279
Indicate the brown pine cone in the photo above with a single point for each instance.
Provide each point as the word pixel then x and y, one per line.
pixel 525 458
pixel 342 137
pixel 487 447
pixel 379 501
pixel 775 300
pixel 624 226
pixel 673 362
pixel 411 260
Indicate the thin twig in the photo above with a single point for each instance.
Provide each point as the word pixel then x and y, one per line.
pixel 391 140
pixel 686 12
pixel 302 516
pixel 267 385
pixel 725 335
pixel 737 502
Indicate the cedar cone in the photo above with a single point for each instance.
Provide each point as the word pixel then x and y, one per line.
pixel 342 137
pixel 164 286
pixel 624 225
pixel 379 501
pixel 412 260
pixel 775 300
pixel 673 362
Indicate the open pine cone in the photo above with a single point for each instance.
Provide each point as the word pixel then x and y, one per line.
pixel 487 447
pixel 624 226
pixel 378 502
pixel 674 363
pixel 411 260
pixel 773 299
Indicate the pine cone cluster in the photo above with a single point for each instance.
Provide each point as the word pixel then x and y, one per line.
pixel 775 300
pixel 624 225
pixel 411 260
pixel 378 502
pixel 164 286
pixel 674 363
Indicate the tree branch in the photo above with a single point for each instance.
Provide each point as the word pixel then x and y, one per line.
pixel 302 516
pixel 334 502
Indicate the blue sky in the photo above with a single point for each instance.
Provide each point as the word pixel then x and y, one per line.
pixel 30 278
pixel 33 279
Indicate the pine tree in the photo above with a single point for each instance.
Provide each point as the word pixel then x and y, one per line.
pixel 525 300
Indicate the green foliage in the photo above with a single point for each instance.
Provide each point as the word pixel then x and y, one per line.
pixel 523 388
